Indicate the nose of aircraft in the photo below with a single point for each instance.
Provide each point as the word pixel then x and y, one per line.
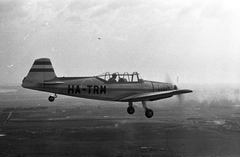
pixel 175 87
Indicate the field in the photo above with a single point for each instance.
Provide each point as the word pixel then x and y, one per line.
pixel 206 124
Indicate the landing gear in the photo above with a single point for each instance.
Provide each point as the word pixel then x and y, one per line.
pixel 130 109
pixel 52 97
pixel 148 112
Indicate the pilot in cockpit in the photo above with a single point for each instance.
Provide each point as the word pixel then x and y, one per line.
pixel 122 80
pixel 113 78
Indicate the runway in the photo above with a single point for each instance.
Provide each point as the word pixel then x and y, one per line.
pixel 32 126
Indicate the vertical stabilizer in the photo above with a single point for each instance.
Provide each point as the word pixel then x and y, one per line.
pixel 42 70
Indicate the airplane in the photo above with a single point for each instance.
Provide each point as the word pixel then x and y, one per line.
pixel 122 87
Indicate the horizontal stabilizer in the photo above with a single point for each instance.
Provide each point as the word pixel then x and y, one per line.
pixel 52 83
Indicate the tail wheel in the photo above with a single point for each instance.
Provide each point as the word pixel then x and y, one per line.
pixel 51 98
pixel 130 110
pixel 149 113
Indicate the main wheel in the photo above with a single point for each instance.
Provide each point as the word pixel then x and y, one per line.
pixel 51 98
pixel 130 110
pixel 149 113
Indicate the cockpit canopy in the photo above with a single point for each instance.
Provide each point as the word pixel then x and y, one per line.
pixel 120 77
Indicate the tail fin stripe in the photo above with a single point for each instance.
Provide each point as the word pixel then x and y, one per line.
pixel 42 63
pixel 41 70
pixel 42 67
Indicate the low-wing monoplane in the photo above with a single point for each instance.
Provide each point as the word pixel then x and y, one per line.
pixel 123 87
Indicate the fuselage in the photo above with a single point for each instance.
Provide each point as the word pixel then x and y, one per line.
pixel 97 88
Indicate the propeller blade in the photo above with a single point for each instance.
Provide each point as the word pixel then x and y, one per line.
pixel 177 81
pixel 168 79
pixel 180 98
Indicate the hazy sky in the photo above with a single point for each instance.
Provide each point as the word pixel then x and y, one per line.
pixel 199 40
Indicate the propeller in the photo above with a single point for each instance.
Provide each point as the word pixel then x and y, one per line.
pixel 175 86
pixel 180 96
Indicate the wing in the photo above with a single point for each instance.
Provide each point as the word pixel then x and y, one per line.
pixel 152 96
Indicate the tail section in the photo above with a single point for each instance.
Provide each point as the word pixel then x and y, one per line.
pixel 42 70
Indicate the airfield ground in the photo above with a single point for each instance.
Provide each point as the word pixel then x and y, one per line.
pixel 33 127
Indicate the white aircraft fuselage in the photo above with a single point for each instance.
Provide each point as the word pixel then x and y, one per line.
pixel 122 87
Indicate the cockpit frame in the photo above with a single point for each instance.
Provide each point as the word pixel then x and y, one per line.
pixel 120 77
